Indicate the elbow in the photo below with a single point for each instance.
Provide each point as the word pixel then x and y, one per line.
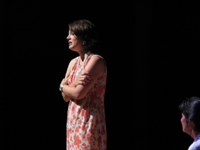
pixel 66 99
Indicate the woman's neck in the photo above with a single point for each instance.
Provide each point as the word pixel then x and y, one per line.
pixel 193 134
pixel 82 56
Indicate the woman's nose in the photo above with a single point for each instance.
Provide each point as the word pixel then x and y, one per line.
pixel 68 37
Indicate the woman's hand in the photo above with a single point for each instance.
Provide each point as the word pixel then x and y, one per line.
pixel 64 81
pixel 82 79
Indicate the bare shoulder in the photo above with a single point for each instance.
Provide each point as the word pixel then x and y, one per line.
pixel 97 61
pixel 71 63
pixel 96 65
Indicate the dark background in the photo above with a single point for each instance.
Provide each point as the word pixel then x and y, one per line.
pixel 151 46
pixel 166 71
pixel 35 59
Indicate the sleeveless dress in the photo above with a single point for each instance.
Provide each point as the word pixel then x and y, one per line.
pixel 86 125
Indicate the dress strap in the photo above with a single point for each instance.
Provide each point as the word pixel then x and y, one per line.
pixel 75 63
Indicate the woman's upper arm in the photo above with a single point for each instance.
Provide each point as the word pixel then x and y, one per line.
pixel 95 68
pixel 69 68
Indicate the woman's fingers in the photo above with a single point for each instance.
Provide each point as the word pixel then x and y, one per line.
pixel 84 78
pixel 86 75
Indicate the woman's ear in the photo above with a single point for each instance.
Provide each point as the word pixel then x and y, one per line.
pixel 191 123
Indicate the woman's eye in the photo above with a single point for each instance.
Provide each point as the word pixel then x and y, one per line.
pixel 72 33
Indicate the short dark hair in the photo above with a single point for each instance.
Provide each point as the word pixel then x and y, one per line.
pixel 191 110
pixel 88 33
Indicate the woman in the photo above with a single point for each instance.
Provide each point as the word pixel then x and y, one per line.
pixel 190 120
pixel 84 87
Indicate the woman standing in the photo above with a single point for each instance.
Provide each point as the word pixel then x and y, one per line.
pixel 190 120
pixel 84 87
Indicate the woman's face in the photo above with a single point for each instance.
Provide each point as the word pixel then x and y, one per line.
pixel 75 42
pixel 186 126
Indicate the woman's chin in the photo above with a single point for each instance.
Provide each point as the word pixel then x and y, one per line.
pixel 74 50
pixel 71 48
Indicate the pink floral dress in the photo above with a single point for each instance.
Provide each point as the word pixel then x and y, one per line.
pixel 86 126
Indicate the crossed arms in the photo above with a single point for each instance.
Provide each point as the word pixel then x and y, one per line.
pixel 85 81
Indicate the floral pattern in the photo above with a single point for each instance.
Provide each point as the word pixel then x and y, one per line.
pixel 86 126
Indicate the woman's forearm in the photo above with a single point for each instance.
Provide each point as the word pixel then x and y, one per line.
pixel 66 97
pixel 71 91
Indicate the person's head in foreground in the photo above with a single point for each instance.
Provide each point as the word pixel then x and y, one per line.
pixel 190 110
pixel 83 36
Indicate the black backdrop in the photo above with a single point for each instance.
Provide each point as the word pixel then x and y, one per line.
pixel 35 59
pixel 153 44
pixel 166 71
